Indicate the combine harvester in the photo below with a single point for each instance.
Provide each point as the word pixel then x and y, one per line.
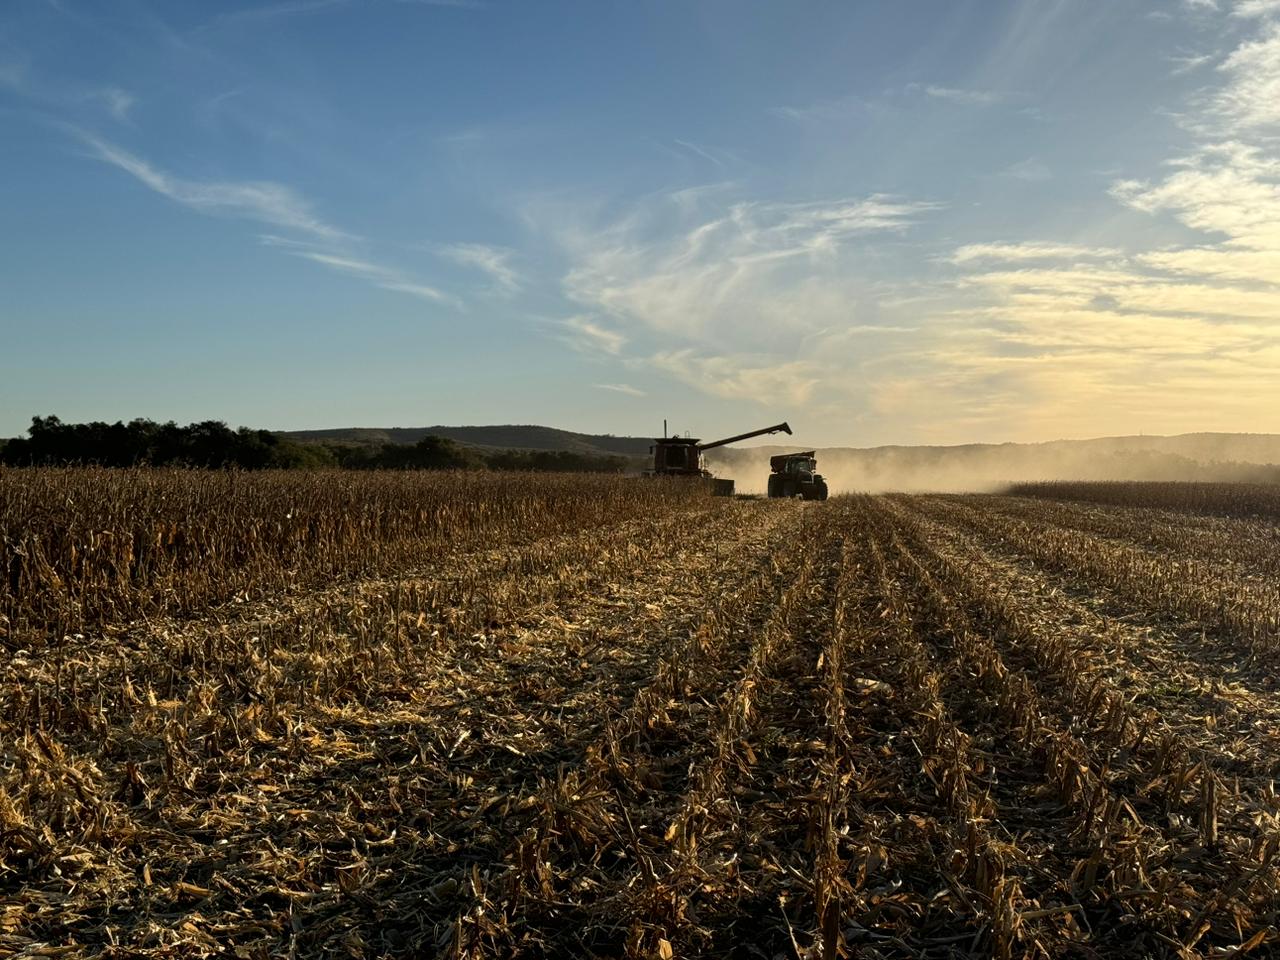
pixel 682 457
pixel 796 475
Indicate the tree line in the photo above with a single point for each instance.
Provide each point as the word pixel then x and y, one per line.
pixel 212 444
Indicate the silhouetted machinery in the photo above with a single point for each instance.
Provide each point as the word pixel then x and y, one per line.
pixel 682 457
pixel 796 475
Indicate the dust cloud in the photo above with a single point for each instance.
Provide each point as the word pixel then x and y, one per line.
pixel 978 468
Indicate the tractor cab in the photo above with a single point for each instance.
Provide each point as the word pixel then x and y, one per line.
pixel 800 465
pixel 680 456
pixel 796 475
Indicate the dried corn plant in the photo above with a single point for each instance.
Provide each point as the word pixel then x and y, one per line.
pixel 1223 499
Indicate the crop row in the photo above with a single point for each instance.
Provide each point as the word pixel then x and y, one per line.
pixel 1172 833
pixel 1260 500
pixel 81 548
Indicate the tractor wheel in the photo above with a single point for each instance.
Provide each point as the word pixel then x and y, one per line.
pixel 820 491
pixel 775 486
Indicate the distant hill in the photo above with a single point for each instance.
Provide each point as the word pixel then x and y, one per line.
pixel 980 466
pixel 505 437
pixel 1249 457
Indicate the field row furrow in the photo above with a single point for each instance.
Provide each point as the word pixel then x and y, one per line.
pixel 1149 786
pixel 1245 548
pixel 653 788
pixel 1217 701
pixel 1177 585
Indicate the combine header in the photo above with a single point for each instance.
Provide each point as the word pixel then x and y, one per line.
pixel 682 457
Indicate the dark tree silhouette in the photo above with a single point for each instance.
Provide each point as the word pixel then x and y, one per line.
pixel 212 444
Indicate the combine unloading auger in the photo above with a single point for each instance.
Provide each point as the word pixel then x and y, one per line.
pixel 682 457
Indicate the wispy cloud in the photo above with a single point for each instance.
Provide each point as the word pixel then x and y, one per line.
pixel 1007 252
pixel 726 270
pixel 273 11
pixel 824 111
pixel 1029 171
pixel 1186 63
pixel 626 388
pixel 262 201
pixel 118 102
pixel 1255 8
pixel 587 336
pixel 1231 189
pixel 493 261
pixel 53 94
pixel 738 299
pixel 13 74
pixel 422 291
pixel 701 152
pixel 741 377
pixel 381 276
pixel 977 98
pixel 269 203
pixel 838 109
pixel 276 205
pixel 463 4
pixel 294 8
pixel 348 265
pixel 1219 263
pixel 1251 98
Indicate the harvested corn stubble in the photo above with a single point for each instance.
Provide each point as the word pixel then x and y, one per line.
pixel 478 715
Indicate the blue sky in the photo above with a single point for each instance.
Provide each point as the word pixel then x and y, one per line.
pixel 890 221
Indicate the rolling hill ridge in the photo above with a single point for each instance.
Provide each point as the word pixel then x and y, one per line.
pixel 977 466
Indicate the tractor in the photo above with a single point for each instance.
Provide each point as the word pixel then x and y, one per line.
pixel 796 475
pixel 682 457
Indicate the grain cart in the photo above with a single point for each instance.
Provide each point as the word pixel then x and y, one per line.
pixel 682 457
pixel 796 475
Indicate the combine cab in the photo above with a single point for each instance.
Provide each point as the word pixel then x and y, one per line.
pixel 682 457
pixel 796 475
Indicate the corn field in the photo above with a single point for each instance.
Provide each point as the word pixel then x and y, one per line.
pixel 478 715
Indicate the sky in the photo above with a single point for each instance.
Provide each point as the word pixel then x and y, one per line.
pixel 891 221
